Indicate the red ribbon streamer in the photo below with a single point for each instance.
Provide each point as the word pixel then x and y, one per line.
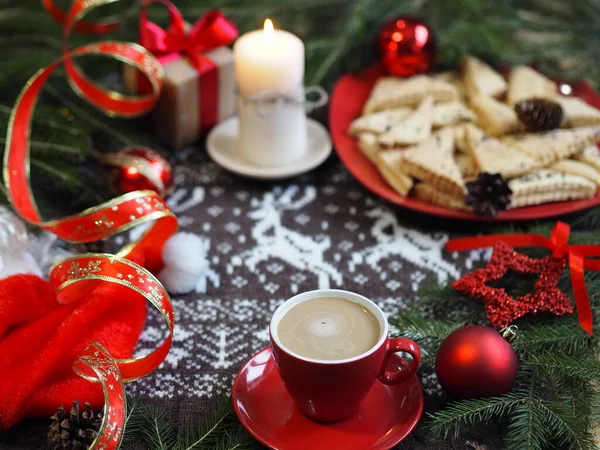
pixel 74 276
pixel 211 31
pixel 558 244
pixel 83 26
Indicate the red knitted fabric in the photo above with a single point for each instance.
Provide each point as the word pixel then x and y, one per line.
pixel 40 340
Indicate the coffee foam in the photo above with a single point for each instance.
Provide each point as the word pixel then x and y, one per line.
pixel 328 328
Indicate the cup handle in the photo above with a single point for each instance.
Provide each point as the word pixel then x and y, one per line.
pixel 400 345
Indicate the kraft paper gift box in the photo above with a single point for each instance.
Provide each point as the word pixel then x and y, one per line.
pixel 199 85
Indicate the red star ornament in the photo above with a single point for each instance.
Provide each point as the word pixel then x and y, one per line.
pixel 502 309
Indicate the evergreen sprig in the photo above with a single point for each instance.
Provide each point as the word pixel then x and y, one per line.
pixel 218 430
pixel 556 337
pixel 215 428
pixel 448 421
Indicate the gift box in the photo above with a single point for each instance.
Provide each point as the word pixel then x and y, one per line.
pixel 199 85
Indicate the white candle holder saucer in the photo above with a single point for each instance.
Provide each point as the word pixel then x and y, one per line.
pixel 223 145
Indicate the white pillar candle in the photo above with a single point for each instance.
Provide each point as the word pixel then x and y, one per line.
pixel 271 60
pixel 268 59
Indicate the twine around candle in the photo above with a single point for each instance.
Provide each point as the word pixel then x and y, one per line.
pixel 267 102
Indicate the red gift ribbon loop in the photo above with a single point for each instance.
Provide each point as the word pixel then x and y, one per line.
pixel 212 30
pixel 112 103
pixel 558 244
pixel 83 27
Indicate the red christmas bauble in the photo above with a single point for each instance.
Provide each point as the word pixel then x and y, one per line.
pixel 476 361
pixel 407 47
pixel 139 168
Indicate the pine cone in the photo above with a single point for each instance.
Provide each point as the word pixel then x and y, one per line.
pixel 488 194
pixel 75 430
pixel 539 114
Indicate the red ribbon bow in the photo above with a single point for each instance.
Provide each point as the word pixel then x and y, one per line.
pixel 558 244
pixel 210 31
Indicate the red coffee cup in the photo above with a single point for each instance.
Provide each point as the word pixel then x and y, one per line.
pixel 332 390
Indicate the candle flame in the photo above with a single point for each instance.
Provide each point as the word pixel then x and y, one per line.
pixel 269 33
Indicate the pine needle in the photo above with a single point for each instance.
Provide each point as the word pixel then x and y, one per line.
pixel 449 421
pixel 156 428
pixel 422 330
pixel 48 146
pixel 556 337
pixel 526 430
pixel 212 429
pixel 556 365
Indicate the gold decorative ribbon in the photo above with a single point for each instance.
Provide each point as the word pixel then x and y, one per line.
pixel 74 276
pixel 98 360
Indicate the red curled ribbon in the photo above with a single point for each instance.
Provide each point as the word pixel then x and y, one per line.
pixel 558 244
pixel 211 31
pixel 74 276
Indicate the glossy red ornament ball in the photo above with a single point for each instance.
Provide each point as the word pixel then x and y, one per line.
pixel 407 47
pixel 476 361
pixel 139 168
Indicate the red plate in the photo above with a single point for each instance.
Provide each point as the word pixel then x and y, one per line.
pixel 386 416
pixel 347 100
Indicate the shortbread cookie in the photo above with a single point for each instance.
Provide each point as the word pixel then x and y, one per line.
pixel 453 77
pixel 432 163
pixel 481 79
pixel 590 156
pixel 415 128
pixel 543 185
pixel 390 92
pixel 577 168
pixel 379 122
pixel 577 112
pixel 549 197
pixel 492 156
pixel 466 164
pixel 495 118
pixel 430 194
pixel 525 83
pixel 367 143
pixel 445 114
pixel 390 166
pixel 546 148
pixel 460 137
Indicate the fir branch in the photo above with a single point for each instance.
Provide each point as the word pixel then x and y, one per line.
pixel 235 439
pixel 48 122
pixel 449 421
pixel 557 365
pixel 566 425
pixel 87 117
pixel 212 429
pixel 429 334
pixel 156 428
pixel 72 182
pixel 526 430
pixel 559 337
pixel 49 146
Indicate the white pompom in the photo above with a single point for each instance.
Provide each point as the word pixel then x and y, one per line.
pixel 184 256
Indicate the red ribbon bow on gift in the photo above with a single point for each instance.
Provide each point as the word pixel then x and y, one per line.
pixel 558 244
pixel 210 31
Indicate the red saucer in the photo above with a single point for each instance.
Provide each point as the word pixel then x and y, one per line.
pixel 265 409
